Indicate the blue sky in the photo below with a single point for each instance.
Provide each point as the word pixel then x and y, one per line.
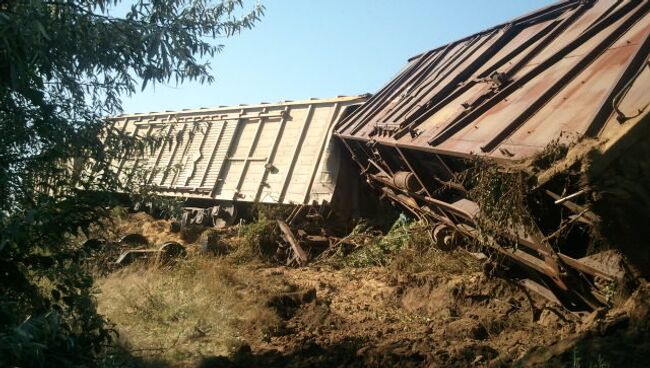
pixel 324 48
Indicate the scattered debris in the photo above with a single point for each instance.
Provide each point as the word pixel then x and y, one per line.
pixel 166 254
pixel 497 140
pixel 444 312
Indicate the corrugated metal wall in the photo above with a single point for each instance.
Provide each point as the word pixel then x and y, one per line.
pixel 271 153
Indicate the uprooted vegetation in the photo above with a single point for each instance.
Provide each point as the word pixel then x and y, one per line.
pixel 502 198
pixel 379 300
pixel 572 198
pixel 407 247
pixel 509 197
pixel 607 192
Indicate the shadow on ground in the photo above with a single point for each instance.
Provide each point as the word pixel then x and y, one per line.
pixel 346 353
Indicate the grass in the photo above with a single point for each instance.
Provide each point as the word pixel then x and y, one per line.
pixel 201 307
pixel 553 152
pixel 501 195
pixel 375 249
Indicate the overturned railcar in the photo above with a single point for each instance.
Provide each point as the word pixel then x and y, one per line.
pixel 559 99
pixel 215 158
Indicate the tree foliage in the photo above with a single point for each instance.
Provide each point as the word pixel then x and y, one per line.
pixel 64 65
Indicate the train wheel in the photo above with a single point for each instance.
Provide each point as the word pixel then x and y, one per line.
pixel 224 215
pixel 170 252
pixel 444 237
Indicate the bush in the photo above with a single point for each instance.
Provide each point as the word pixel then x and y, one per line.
pixel 63 67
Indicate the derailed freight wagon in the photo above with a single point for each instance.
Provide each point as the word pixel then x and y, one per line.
pixel 533 138
pixel 215 158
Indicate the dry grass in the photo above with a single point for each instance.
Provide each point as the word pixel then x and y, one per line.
pixel 210 306
pixel 456 262
pixel 201 307
pixel 122 223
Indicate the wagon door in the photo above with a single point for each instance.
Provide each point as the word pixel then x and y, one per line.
pixel 250 156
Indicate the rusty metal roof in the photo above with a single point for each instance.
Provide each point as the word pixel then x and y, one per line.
pixel 574 69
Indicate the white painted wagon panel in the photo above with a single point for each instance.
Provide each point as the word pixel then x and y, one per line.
pixel 210 140
pixel 251 183
pixel 327 170
pixel 215 166
pixel 147 160
pixel 273 153
pixel 288 143
pixel 179 151
pixel 127 161
pixel 192 155
pixel 309 154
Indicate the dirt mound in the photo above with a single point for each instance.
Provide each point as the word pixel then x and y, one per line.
pixel 123 223
pixel 230 309
pixel 617 338
pixel 371 317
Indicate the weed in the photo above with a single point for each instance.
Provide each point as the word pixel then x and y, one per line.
pixel 407 247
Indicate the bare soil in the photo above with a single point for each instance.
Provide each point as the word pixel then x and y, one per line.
pixel 328 316
pixel 394 319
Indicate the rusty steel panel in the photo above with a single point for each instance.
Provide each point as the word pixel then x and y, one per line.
pixel 272 153
pixel 571 81
pixel 556 74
